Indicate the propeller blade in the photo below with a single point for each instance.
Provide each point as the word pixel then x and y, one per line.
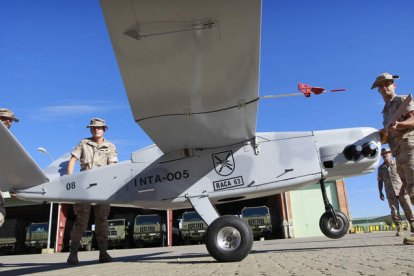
pixel 317 90
pixel 305 89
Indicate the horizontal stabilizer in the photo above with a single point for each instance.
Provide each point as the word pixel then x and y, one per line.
pixel 17 169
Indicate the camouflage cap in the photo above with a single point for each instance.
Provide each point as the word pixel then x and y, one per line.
pixel 383 77
pixel 385 150
pixel 97 122
pixel 4 112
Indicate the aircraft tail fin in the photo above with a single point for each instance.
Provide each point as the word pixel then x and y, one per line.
pixel 17 168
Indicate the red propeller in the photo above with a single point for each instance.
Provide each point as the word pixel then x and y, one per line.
pixel 306 89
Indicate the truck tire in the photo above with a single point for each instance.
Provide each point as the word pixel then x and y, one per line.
pixel 125 244
pixel 139 244
pixel 229 239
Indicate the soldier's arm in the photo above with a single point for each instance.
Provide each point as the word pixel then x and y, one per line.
pixel 113 156
pixel 380 185
pixel 71 164
pixel 75 155
pixel 407 123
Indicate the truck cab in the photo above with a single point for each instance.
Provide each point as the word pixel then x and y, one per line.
pixel 258 218
pixel 193 228
pixel 86 240
pixel 118 233
pixel 36 235
pixel 149 230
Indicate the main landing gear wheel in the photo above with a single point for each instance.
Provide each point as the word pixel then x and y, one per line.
pixel 331 228
pixel 229 239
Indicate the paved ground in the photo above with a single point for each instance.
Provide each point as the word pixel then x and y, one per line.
pixel 355 254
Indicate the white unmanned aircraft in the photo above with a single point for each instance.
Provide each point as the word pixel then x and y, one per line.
pixel 191 72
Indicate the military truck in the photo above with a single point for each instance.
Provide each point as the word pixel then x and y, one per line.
pixel 36 235
pixel 7 238
pixel 149 230
pixel 118 233
pixel 86 240
pixel 193 228
pixel 258 218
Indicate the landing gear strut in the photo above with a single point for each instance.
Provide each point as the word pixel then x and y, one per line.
pixel 333 224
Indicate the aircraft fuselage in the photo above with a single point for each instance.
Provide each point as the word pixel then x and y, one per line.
pixel 270 164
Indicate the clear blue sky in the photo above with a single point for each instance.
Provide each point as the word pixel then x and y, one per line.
pixel 58 70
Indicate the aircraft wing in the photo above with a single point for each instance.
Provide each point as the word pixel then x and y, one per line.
pixel 190 68
pixel 17 169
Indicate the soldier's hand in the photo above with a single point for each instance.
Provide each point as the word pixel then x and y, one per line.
pixel 393 127
pixel 384 136
pixel 382 196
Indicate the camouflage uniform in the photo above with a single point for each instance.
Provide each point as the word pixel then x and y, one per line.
pixel 402 144
pixel 395 195
pixel 92 155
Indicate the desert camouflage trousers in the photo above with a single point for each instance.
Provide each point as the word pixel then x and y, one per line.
pixel 405 165
pixel 82 211
pixel 405 202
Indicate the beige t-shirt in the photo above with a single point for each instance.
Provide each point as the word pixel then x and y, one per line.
pixel 92 155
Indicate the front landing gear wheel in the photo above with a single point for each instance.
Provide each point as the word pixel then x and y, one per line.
pixel 229 239
pixel 330 228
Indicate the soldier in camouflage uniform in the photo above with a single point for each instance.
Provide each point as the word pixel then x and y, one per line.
pixel 92 152
pixel 6 117
pixel 389 178
pixel 400 134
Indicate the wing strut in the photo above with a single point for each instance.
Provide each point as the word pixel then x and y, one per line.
pixel 204 208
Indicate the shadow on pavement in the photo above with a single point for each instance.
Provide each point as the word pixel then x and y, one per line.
pixel 31 268
pixel 165 259
pixel 287 250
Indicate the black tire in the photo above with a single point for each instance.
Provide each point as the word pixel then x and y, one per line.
pixel 139 244
pixel 125 244
pixel 328 227
pixel 229 230
pixel 163 240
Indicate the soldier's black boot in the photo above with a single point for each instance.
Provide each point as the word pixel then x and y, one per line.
pixel 104 257
pixel 73 256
